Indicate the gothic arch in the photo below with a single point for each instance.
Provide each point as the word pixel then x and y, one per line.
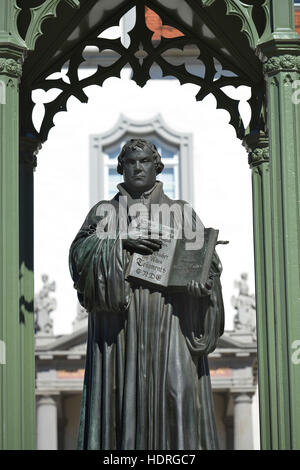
pixel 227 58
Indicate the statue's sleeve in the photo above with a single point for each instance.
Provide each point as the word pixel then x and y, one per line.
pixel 98 265
pixel 204 321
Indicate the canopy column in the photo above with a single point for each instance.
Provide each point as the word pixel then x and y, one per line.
pixel 258 150
pixel 16 431
pixel 280 370
pixel 10 379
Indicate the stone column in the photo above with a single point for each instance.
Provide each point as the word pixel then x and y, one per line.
pixel 46 422
pixel 242 419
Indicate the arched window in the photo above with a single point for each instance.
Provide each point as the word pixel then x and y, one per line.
pixel 174 148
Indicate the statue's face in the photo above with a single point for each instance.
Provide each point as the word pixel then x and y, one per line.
pixel 139 170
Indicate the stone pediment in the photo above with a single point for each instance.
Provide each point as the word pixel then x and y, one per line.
pixel 76 341
pixel 73 341
pixel 234 341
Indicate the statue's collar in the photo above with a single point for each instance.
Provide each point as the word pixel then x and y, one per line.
pixel 154 194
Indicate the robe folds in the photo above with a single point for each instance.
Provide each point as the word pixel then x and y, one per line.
pixel 147 383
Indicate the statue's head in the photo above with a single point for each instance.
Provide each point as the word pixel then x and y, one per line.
pixel 139 162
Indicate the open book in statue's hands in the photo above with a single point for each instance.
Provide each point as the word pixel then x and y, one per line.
pixel 174 266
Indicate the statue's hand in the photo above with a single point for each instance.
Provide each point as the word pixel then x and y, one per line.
pixel 197 289
pixel 142 246
pixel 138 240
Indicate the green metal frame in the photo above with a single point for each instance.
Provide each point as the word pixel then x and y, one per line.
pixel 15 388
pixel 273 148
pixel 17 161
pixel 276 228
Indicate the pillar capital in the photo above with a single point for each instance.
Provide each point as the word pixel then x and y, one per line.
pixel 282 63
pixel 280 55
pixel 10 66
pixel 11 60
pixel 242 396
pixel 12 46
pixel 257 146
pixel 46 397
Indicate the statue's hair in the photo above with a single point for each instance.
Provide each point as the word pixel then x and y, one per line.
pixel 140 144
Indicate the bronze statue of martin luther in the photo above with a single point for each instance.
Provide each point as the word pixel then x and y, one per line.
pixel 147 383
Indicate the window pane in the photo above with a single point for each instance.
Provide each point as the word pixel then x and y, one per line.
pixel 167 177
pixel 113 152
pixel 114 178
pixel 165 151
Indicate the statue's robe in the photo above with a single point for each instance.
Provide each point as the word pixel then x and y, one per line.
pixel 147 383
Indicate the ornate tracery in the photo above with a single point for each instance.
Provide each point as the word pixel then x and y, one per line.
pixel 195 30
